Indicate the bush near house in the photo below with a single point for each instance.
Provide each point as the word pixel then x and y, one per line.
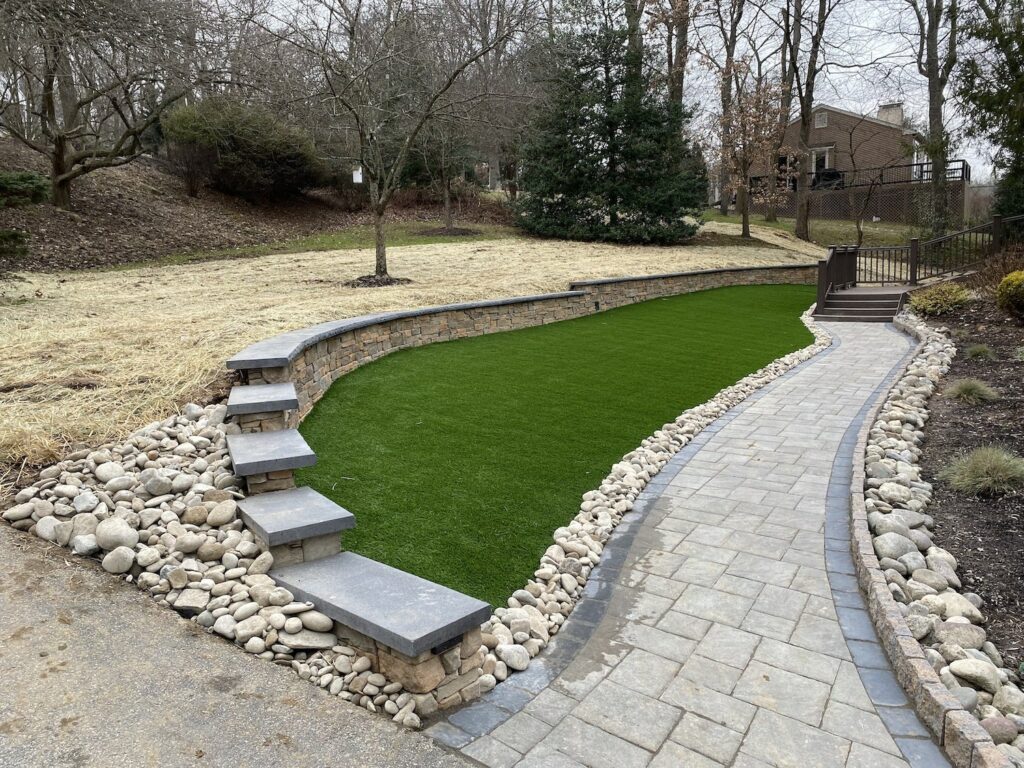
pixel 1010 294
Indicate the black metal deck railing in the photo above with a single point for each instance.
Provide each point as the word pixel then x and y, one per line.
pixel 952 254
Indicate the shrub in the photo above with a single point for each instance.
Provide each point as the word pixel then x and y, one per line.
pixel 973 391
pixel 1018 354
pixel 1010 294
pixel 244 150
pixel 980 352
pixel 939 299
pixel 22 187
pixel 13 244
pixel 986 278
pixel 986 471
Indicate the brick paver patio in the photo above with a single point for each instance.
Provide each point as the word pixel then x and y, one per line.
pixel 724 626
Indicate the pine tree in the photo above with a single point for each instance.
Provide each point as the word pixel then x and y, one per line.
pixel 607 158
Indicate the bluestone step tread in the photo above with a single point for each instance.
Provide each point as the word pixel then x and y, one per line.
pixel 396 608
pixel 254 453
pixel 281 517
pixel 262 398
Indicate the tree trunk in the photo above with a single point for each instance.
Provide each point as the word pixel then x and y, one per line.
pixel 494 171
pixel 937 156
pixel 803 177
pixel 60 188
pixel 449 219
pixel 379 212
pixel 743 203
pixel 633 80
pixel 803 203
pixel 61 194
pixel 680 49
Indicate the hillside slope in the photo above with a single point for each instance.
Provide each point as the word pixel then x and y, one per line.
pixel 139 212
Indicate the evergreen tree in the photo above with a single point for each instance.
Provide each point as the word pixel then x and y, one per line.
pixel 992 89
pixel 607 158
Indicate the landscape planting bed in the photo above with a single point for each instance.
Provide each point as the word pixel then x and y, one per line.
pixel 459 459
pixel 985 534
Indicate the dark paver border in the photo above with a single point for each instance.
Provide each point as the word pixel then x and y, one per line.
pixel 877 674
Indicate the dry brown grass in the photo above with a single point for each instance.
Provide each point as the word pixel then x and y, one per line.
pixel 88 356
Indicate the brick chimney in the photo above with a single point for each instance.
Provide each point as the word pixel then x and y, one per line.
pixel 891 113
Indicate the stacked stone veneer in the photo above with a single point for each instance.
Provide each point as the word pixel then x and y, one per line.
pixel 619 291
pixel 314 358
pixel 441 679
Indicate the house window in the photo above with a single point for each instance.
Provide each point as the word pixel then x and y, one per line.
pixel 821 159
pixel 821 119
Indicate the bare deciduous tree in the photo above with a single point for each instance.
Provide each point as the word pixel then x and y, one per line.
pixel 803 31
pixel 86 80
pixel 387 67
pixel 751 138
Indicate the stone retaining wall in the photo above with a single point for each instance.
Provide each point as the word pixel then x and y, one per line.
pixel 315 359
pixel 618 291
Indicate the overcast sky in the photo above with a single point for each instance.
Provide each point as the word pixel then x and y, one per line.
pixel 872 62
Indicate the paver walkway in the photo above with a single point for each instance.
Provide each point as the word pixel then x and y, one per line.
pixel 724 626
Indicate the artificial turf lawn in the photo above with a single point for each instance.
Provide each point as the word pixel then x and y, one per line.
pixel 460 459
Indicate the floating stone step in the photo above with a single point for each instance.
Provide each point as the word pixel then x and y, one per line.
pixel 262 398
pixel 398 609
pixel 254 453
pixel 282 517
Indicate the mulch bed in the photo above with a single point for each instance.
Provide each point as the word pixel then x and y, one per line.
pixel 377 281
pixel 986 535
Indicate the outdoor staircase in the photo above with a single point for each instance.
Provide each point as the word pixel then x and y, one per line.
pixel 302 529
pixel 860 305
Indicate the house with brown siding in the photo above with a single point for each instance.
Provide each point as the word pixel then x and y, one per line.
pixel 859 165
pixel 847 142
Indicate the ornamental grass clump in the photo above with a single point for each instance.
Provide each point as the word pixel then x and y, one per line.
pixel 1018 354
pixel 980 352
pixel 972 391
pixel 939 299
pixel 986 471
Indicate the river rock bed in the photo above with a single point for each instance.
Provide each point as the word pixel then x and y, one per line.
pixel 159 509
pixel 922 576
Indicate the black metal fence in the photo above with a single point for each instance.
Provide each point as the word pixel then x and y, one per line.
pixel 898 194
pixel 851 265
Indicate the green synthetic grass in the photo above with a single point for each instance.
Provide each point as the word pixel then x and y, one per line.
pixel 460 459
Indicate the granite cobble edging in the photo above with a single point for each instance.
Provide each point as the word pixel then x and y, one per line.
pixel 965 742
